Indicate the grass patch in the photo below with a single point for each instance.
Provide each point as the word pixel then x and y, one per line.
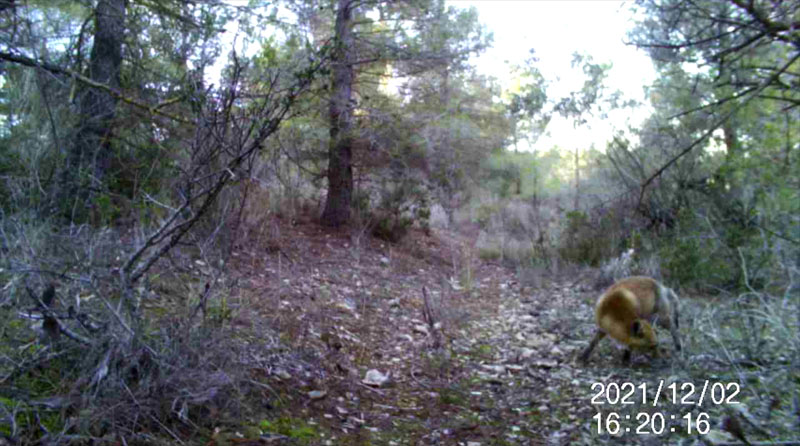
pixel 294 428
pixel 453 397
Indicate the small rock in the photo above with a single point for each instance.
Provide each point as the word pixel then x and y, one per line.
pixel 406 337
pixel 356 420
pixel 347 304
pixel 526 353
pixel 545 364
pixel 494 368
pixel 376 378
pixel 715 437
pixel 422 329
pixel 317 394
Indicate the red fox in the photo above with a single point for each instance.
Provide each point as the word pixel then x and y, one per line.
pixel 627 310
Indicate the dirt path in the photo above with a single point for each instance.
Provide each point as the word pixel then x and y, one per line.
pixel 496 367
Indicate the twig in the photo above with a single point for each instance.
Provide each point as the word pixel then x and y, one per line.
pixel 117 316
pixel 370 388
pixel 267 387
pixel 427 310
pixel 418 381
pixel 202 303
pixel 51 324
pixel 136 402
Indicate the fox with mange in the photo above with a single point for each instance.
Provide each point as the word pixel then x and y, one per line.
pixel 627 312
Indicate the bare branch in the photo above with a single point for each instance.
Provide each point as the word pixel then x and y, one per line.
pixel 154 109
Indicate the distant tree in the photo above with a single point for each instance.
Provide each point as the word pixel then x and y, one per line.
pixel 527 103
pixel 340 118
pixel 149 141
pixel 719 154
pixel 745 51
pixel 582 104
pixel 89 59
pixel 406 39
pixel 90 153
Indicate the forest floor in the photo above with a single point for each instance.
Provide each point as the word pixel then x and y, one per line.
pixel 360 363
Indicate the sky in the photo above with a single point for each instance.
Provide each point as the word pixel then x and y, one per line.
pixel 555 30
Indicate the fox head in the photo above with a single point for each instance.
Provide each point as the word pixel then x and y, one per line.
pixel 642 336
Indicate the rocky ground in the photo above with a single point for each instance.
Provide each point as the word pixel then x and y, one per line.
pixel 423 343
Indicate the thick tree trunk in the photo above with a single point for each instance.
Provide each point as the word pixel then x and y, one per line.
pixel 340 115
pixel 90 154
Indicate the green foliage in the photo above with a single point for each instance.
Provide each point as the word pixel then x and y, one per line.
pixel 526 174
pixel 484 352
pixel 219 312
pixel 453 396
pixel 682 259
pixel 490 252
pixel 297 429
pixel 401 205
pixel 587 242
pixel 44 376
pixel 740 181
pixel 105 210
pixel 698 255
pixel 505 178
pixel 484 213
pixel 9 166
pixel 391 227
pixel 422 215
pixel 29 420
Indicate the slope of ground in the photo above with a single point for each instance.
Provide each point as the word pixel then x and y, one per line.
pixel 475 359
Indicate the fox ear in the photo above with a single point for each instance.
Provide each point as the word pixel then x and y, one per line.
pixel 636 328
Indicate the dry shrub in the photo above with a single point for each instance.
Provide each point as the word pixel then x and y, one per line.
pixel 515 231
pixel 172 379
pixel 614 269
pixel 750 340
pixel 156 364
pixel 254 213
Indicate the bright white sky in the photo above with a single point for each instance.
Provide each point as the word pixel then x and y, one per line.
pixel 555 30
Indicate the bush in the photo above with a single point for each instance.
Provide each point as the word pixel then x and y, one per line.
pixel 109 367
pixel 694 256
pixel 391 227
pixel 400 207
pixel 583 242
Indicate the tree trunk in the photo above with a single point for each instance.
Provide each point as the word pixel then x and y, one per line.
pixel 90 154
pixel 340 115
pixel 577 204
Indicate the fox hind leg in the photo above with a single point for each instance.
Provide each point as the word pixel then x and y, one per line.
pixel 598 336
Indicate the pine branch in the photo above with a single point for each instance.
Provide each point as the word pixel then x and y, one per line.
pixel 28 62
